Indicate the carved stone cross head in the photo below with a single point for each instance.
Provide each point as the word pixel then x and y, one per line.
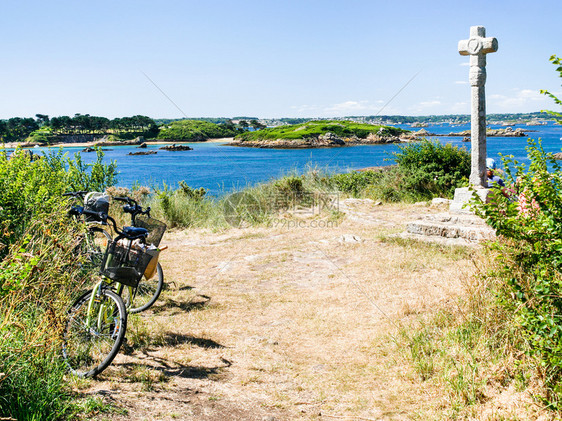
pixel 477 46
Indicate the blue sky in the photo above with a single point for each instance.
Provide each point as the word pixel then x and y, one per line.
pixel 303 58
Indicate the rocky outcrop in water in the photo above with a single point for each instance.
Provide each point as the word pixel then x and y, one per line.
pixel 507 132
pixel 175 147
pixel 143 153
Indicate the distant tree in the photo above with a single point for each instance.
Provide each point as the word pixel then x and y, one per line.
pixel 244 124
pixel 42 119
pixel 557 61
pixel 229 125
pixel 18 128
pixel 3 130
pixel 256 125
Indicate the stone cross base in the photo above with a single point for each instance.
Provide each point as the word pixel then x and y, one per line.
pixel 463 196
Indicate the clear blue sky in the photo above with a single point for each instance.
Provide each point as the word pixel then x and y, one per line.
pixel 301 58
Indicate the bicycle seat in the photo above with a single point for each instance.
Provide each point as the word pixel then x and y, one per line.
pixel 135 231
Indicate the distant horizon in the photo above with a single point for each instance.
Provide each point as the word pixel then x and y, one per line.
pixel 545 112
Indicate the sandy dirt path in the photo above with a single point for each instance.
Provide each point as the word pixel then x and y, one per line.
pixel 293 321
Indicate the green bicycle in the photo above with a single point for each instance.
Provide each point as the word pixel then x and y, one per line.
pixel 97 321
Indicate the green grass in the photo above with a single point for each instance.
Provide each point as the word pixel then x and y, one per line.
pixel 344 129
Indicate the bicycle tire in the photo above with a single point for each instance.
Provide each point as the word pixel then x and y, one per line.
pixel 148 291
pixel 88 349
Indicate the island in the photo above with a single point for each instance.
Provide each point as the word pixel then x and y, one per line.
pixel 321 134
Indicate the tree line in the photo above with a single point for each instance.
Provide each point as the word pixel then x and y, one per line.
pixel 18 129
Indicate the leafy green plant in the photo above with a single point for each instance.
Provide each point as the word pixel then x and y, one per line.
pixel 528 220
pixel 557 61
pixel 31 185
pixel 195 194
pixel 429 168
pixel 39 277
pixel 356 182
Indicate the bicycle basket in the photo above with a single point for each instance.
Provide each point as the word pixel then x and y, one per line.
pixel 124 264
pixel 96 202
pixel 155 228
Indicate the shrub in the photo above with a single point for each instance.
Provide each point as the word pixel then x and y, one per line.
pixel 38 278
pixel 32 185
pixel 429 168
pixel 528 220
pixel 355 182
pixel 191 193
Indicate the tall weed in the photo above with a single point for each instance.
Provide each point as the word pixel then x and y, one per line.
pixel 39 277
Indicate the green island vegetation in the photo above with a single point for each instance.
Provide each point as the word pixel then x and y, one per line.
pixel 505 330
pixel 43 129
pixel 195 130
pixel 48 130
pixel 317 128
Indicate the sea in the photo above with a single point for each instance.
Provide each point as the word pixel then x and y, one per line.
pixel 220 168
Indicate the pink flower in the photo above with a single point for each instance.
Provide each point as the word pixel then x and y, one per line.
pixel 526 208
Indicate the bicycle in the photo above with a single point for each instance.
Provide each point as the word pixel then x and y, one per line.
pixel 97 321
pixel 93 242
pixel 149 287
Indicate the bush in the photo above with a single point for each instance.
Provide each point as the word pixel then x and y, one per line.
pixel 528 221
pixel 32 185
pixel 356 182
pixel 38 278
pixel 429 169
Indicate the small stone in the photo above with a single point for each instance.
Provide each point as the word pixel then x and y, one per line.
pixel 350 238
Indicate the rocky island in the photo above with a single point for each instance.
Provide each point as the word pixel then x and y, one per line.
pixel 321 134
pixel 507 132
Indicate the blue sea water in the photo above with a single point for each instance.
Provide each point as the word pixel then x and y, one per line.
pixel 222 168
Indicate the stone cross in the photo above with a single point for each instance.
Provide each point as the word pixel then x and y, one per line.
pixel 477 46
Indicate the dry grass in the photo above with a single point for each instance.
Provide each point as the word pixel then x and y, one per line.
pixel 289 323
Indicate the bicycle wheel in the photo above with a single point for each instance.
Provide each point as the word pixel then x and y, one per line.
pixel 93 336
pixel 148 291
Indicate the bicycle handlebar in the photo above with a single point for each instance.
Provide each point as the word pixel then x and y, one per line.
pixel 133 207
pixel 102 216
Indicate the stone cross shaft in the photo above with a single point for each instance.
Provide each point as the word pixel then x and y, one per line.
pixel 477 46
